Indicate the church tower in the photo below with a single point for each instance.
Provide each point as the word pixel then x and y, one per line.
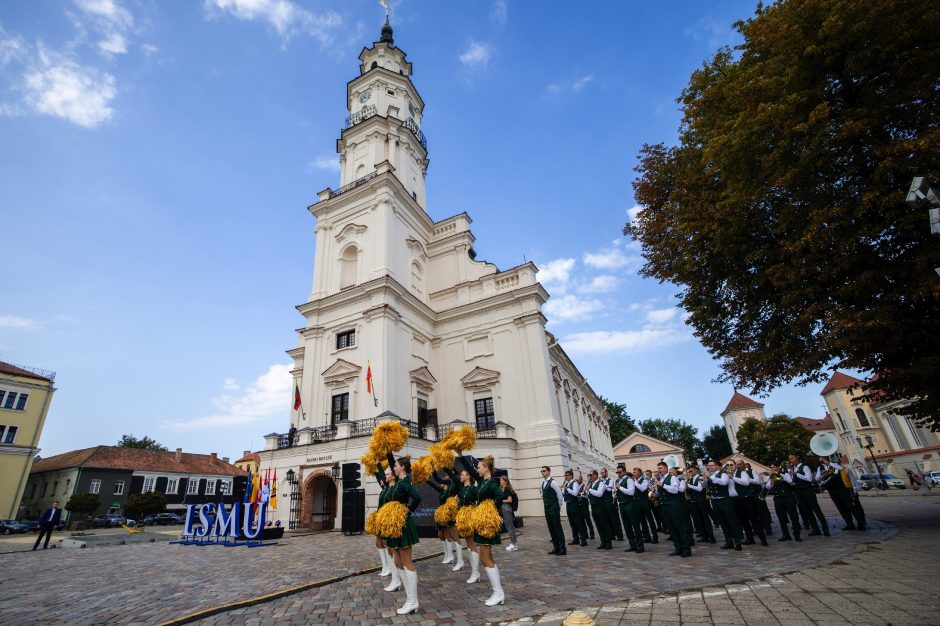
pixel 739 409
pixel 404 322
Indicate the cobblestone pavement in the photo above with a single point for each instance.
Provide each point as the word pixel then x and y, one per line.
pixel 891 582
pixel 150 583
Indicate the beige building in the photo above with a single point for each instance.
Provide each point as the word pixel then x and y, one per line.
pixel 757 467
pixel 740 408
pixel 25 396
pixel 249 462
pixel 643 451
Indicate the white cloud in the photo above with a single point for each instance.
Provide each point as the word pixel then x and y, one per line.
pixel 266 397
pixel 150 49
pixel 287 18
pixel 329 162
pixel 107 11
pixel 114 44
pixel 13 322
pixel 570 308
pixel 499 14
pixel 633 211
pixel 553 89
pixel 661 316
pixel 62 88
pixel 581 83
pixel 715 32
pixel 476 55
pixel 555 274
pixel 609 258
pixel 599 284
pixel 11 47
pixel 611 342
pixel 557 87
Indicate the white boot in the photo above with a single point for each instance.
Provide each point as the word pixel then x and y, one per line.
pixel 459 565
pixel 386 570
pixel 411 592
pixel 395 585
pixel 448 552
pixel 474 567
pixel 498 596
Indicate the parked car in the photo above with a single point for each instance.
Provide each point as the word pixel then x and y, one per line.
pixel 111 520
pixel 10 526
pixel 165 519
pixel 933 478
pixel 890 479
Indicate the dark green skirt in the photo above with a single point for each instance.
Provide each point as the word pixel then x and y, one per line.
pixel 444 527
pixel 483 541
pixel 409 536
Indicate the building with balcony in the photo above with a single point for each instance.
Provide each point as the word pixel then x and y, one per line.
pixel 25 396
pixel 404 322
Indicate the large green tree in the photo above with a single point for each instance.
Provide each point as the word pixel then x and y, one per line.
pixel 772 441
pixel 715 443
pixel 144 443
pixel 621 424
pixel 81 504
pixel 676 432
pixel 140 505
pixel 781 212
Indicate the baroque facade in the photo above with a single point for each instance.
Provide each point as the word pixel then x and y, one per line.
pixel 403 322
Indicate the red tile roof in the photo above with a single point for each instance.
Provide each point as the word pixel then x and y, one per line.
pixel 251 456
pixel 9 368
pixel 740 401
pixel 816 424
pixel 840 381
pixel 135 459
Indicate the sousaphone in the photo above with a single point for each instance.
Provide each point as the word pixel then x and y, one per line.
pixel 824 444
pixel 671 461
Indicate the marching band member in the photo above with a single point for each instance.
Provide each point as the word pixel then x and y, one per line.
pixel 843 489
pixel 647 521
pixel 672 502
pixel 805 493
pixel 596 489
pixel 746 504
pixel 780 486
pixel 721 488
pixel 572 490
pixel 613 513
pixel 630 511
pixel 695 488
pixel 551 501
pixel 584 505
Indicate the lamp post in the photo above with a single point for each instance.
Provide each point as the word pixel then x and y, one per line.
pixel 870 444
pixel 294 499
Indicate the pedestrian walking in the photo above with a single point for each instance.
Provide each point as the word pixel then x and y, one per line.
pixel 47 523
pixel 508 509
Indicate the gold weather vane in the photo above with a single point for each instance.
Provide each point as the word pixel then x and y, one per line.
pixel 384 3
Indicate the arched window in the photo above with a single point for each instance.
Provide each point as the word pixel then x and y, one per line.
pixel 862 418
pixel 348 267
pixel 640 447
pixel 841 423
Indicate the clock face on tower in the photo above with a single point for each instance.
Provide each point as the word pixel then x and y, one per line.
pixel 364 97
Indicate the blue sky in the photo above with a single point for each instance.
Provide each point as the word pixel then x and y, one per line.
pixel 158 159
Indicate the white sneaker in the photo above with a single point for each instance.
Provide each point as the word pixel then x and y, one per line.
pixel 512 548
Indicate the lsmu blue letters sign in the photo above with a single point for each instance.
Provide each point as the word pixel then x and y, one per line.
pixel 218 523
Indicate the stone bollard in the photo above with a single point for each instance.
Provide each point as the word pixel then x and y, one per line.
pixel 577 618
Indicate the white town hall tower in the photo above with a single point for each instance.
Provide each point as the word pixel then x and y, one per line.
pixel 450 340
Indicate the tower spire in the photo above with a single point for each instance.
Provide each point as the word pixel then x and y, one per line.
pixel 387 28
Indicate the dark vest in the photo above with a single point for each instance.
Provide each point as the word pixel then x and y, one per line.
pixel 717 491
pixel 695 496
pixel 672 498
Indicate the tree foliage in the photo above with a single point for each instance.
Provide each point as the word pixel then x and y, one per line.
pixel 140 505
pixel 144 443
pixel 621 424
pixel 781 213
pixel 772 441
pixel 715 443
pixel 82 504
pixel 676 432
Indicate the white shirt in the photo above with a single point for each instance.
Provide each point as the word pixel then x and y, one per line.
pixel 696 484
pixel 804 473
pixel 722 478
pixel 675 484
pixel 601 488
pixel 641 483
pixel 630 489
pixel 744 480
pixel 573 488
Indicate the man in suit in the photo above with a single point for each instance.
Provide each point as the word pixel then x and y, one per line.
pixel 572 490
pixel 551 500
pixel 47 523
pixel 596 490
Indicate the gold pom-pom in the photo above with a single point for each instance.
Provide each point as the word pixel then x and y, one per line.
pixel 390 519
pixel 464 520
pixel 368 461
pixel 370 523
pixel 486 519
pixel 447 512
pixel 421 470
pixel 441 457
pixel 461 440
pixel 388 437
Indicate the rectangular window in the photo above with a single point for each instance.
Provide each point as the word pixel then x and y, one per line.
pixel 193 486
pixel 148 484
pixel 11 434
pixel 68 487
pixel 2 393
pixel 345 339
pixel 486 418
pixel 55 487
pixel 172 484
pixel 340 407
pixel 225 488
pixel 95 486
pixel 21 403
pixel 11 398
pixel 119 488
pixel 210 487
pixel 45 488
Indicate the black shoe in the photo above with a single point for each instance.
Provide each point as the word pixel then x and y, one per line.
pixel 608 547
pixel 685 555
pixel 554 551
pixel 562 553
pixel 737 547
pixel 674 553
pixel 763 542
pixel 630 549
pixel 640 550
pixel 797 538
pixel 749 542
pixel 583 543
pixel 573 543
pixel 601 547
pixel 726 546
pixel 784 538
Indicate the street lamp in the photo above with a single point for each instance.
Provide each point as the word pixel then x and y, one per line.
pixel 337 471
pixel 294 499
pixel 870 444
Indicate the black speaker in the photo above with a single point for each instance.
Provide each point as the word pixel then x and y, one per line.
pixel 351 476
pixel 354 511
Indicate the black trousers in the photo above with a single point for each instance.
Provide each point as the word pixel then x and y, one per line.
pixel 701 520
pixel 764 512
pixel 586 514
pixel 747 511
pixel 557 533
pixel 785 507
pixel 848 506
pixel 602 521
pixel 45 530
pixel 631 514
pixel 576 521
pixel 806 500
pixel 648 521
pixel 613 514
pixel 727 520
